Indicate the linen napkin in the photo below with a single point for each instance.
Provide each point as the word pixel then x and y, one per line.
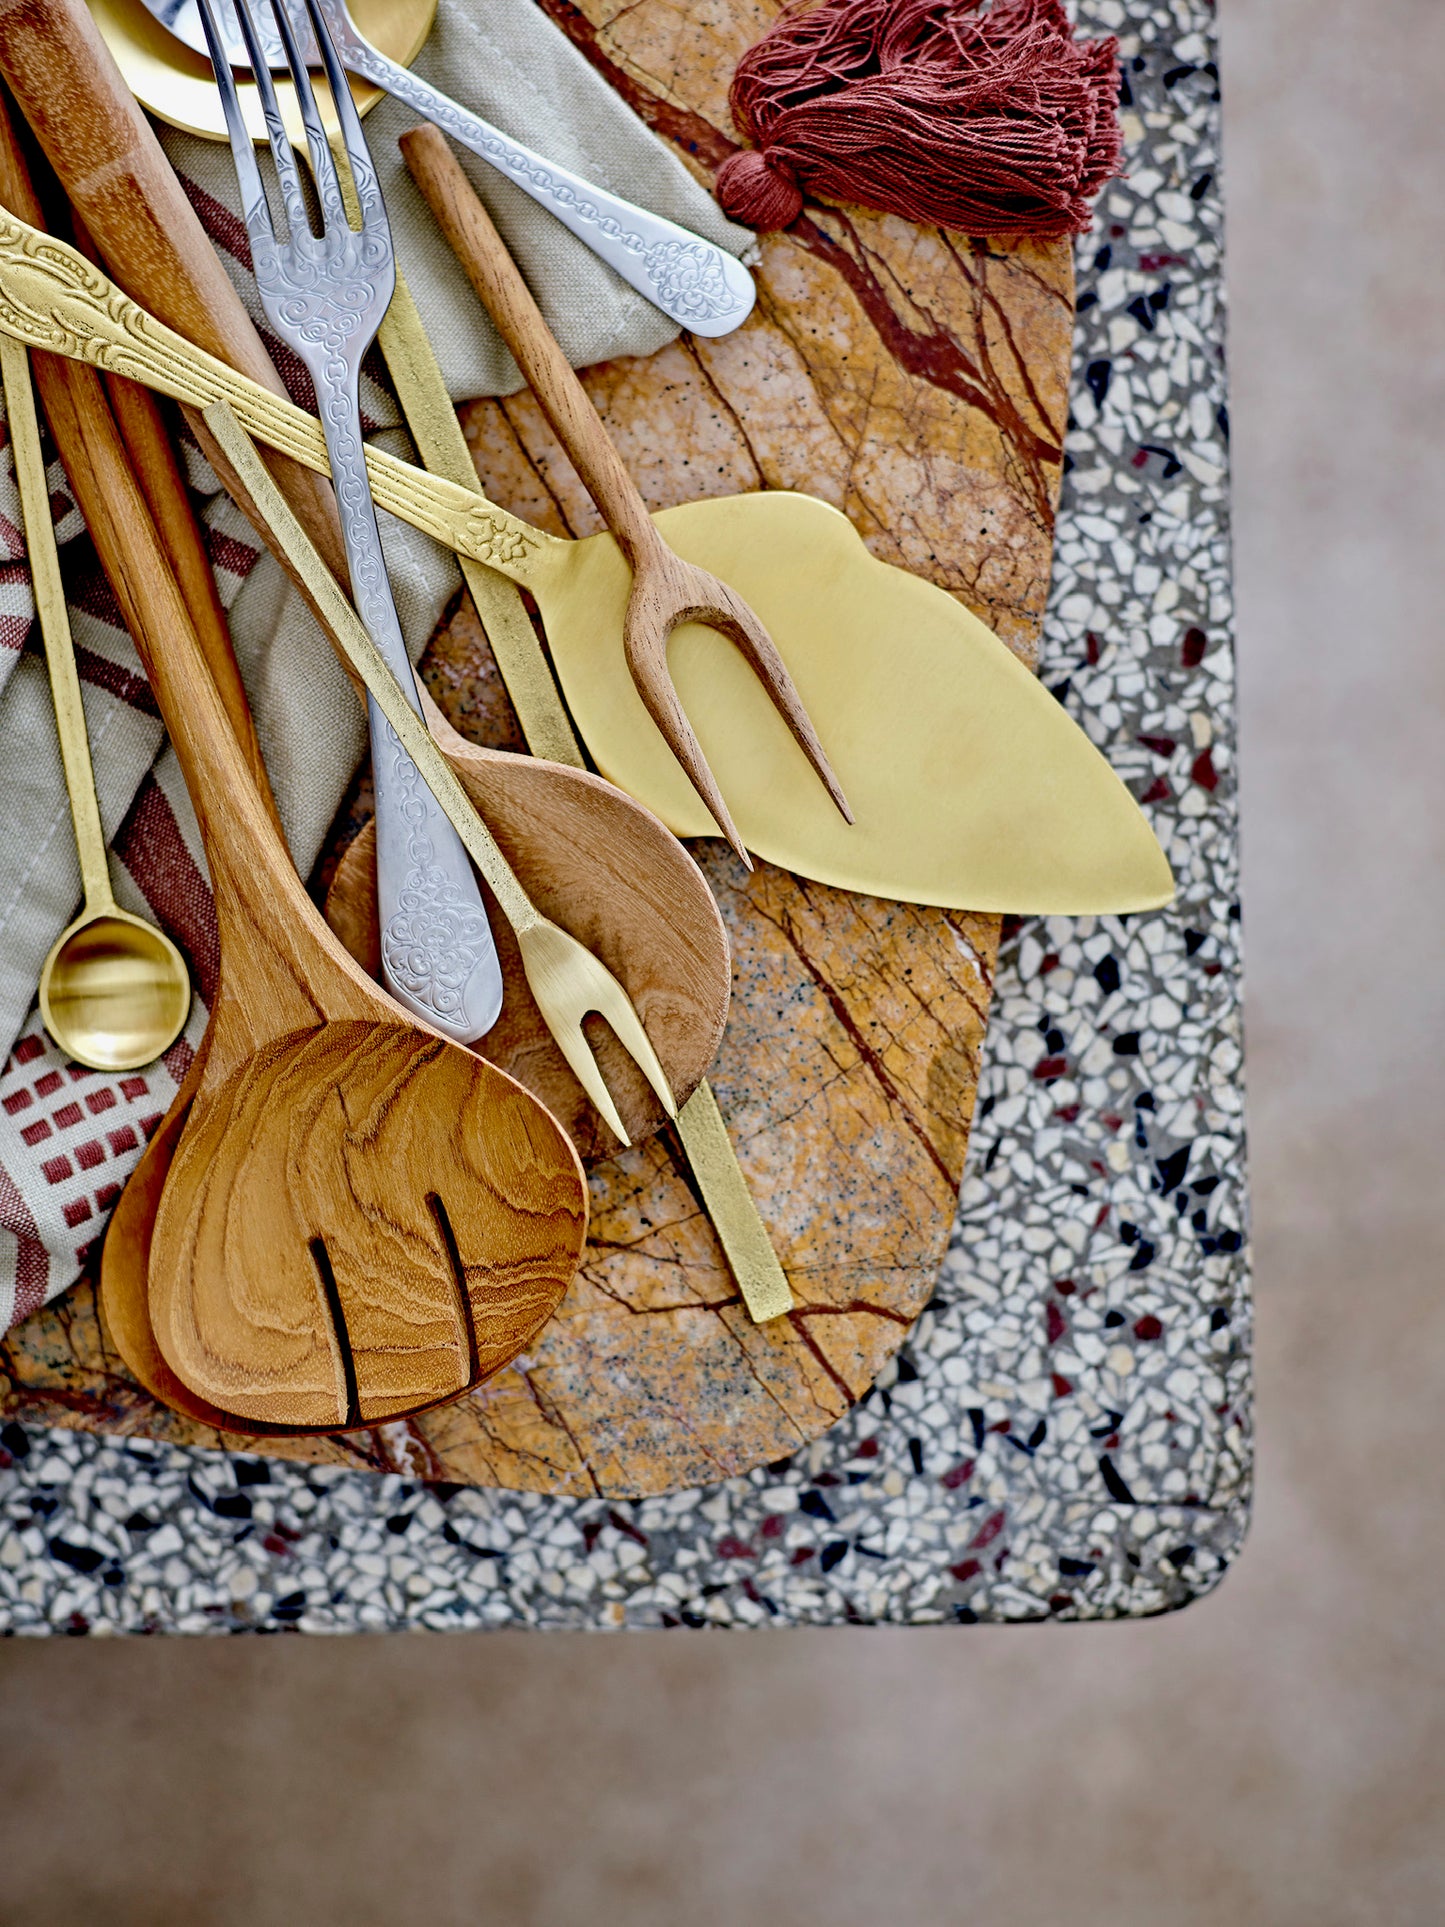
pixel 70 1137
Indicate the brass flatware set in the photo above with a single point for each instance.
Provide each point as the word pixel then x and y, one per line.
pixel 349 1216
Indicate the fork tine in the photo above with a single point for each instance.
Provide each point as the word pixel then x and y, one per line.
pixel 572 1042
pixel 248 171
pixel 644 644
pixel 567 980
pixel 323 167
pixel 737 621
pixel 615 1006
pixel 282 153
pixel 363 173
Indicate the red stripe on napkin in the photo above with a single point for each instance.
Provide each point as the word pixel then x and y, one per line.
pixel 151 847
pixel 32 1261
pixel 116 680
pixel 226 229
pixel 227 552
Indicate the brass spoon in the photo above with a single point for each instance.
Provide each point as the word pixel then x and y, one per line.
pixel 114 990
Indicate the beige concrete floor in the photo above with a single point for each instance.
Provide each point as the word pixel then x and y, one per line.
pixel 1273 1756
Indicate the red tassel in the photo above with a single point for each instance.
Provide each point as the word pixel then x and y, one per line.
pixel 987 119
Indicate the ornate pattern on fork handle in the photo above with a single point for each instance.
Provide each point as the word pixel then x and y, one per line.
pixel 437 951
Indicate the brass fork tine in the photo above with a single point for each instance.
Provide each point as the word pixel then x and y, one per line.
pixel 567 982
pixel 565 978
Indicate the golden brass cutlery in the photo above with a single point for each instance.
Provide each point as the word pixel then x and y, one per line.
pixel 114 990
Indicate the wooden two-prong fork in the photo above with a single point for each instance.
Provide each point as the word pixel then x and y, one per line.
pixel 667 591
pixel 565 978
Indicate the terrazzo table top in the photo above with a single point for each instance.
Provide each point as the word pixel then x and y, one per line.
pixel 1066 1431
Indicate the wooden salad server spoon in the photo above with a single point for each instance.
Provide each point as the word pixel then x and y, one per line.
pixel 360 1219
pixel 126 1252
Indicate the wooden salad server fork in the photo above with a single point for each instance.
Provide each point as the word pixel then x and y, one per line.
pixel 666 590
pixel 360 1219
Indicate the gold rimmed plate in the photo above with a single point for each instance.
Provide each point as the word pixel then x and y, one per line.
pixel 176 84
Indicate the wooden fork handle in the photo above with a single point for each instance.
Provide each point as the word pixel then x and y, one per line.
pixel 95 135
pixel 474 240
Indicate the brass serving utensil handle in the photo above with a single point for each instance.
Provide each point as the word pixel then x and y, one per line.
pixel 50 608
pixel 51 297
pixel 114 990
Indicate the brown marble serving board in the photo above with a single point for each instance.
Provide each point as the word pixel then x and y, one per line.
pixel 920 382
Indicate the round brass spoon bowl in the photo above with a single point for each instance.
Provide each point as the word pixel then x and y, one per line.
pixel 114 992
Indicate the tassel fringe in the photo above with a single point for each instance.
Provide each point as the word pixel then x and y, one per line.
pixel 989 119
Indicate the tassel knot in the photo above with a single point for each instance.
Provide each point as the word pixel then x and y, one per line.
pixel 987 118
pixel 759 188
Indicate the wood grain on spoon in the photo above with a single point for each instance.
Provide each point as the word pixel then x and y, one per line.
pixel 608 872
pixel 108 159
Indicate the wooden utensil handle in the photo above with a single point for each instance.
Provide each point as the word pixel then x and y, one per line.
pixel 165 490
pixel 143 430
pixel 118 517
pixel 474 240
pixel 111 165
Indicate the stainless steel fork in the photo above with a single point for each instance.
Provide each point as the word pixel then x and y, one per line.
pixel 326 295
pixel 698 283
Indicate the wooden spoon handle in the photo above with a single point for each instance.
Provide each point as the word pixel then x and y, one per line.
pixel 113 168
pixel 165 492
pixel 118 518
pixel 268 921
pixel 508 300
pixel 143 430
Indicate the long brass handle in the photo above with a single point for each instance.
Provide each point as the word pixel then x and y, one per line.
pixel 545 724
pixel 50 607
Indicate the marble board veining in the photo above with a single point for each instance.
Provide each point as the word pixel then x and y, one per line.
pixel 1065 1431
pixel 919 382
